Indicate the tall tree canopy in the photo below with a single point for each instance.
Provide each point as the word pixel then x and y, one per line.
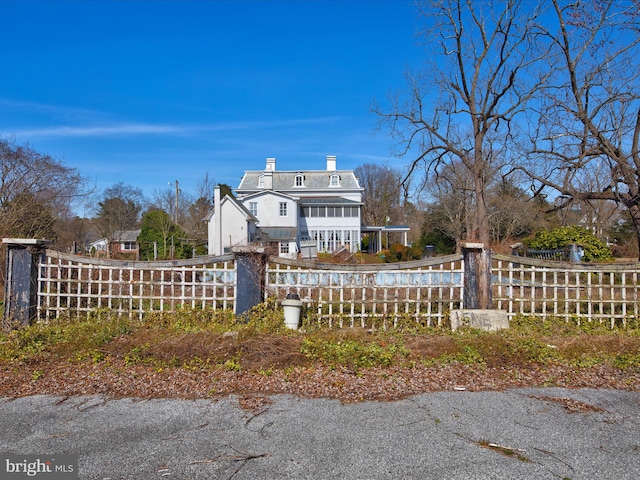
pixel 160 236
pixel 119 209
pixel 461 107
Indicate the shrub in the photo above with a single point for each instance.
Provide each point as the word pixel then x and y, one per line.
pixel 401 253
pixel 595 250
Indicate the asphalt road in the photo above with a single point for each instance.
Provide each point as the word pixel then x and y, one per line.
pixel 517 434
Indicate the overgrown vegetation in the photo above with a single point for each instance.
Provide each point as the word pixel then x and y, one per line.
pixel 259 342
pixel 595 250
pixel 401 253
pixel 351 350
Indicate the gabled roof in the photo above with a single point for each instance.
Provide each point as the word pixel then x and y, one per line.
pixel 267 192
pixel 125 236
pixel 100 243
pixel 239 206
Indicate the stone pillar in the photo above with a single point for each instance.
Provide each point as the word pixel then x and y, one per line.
pixel 24 256
pixel 250 267
pixel 477 276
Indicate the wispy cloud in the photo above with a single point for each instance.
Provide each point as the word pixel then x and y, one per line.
pixel 97 131
pixel 64 121
pixel 134 129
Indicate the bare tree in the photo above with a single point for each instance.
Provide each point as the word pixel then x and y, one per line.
pixel 586 135
pixel 382 192
pixel 461 106
pixel 36 190
pixel 205 187
pixel 198 210
pixel 165 200
pixel 452 206
pixel 514 213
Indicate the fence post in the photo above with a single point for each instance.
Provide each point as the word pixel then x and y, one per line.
pixel 251 267
pixel 24 256
pixel 477 276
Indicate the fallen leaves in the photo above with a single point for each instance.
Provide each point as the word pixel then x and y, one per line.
pixel 117 379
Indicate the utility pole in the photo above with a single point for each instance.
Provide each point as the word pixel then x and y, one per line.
pixel 175 212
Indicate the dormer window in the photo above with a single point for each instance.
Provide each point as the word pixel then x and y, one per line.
pixel 299 180
pixel 261 181
pixel 334 180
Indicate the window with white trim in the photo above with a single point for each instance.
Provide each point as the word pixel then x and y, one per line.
pixel 253 208
pixel 334 180
pixel 261 181
pixel 284 248
pixel 283 209
pixel 299 180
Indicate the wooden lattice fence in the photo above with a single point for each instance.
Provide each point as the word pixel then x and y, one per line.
pixel 372 296
pixel 44 284
pixel 71 284
pixel 582 291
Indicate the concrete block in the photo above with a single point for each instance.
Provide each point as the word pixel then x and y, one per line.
pixel 487 320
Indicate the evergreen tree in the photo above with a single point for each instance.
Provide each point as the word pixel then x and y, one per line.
pixel 158 230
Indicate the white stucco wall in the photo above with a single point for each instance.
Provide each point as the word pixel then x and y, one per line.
pixel 235 230
pixel 268 209
pixel 210 235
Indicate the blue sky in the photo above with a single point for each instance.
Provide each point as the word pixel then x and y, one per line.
pixel 151 92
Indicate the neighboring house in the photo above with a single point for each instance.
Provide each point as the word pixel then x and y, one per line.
pixel 283 209
pixel 122 244
pixel 98 248
pixel 125 242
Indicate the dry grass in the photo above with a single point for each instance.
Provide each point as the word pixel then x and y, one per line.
pixel 581 346
pixel 431 346
pixel 161 347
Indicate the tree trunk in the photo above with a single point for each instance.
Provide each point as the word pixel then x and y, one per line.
pixel 484 237
pixel 482 214
pixel 634 210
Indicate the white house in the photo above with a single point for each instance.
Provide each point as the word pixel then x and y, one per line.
pixel 287 208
